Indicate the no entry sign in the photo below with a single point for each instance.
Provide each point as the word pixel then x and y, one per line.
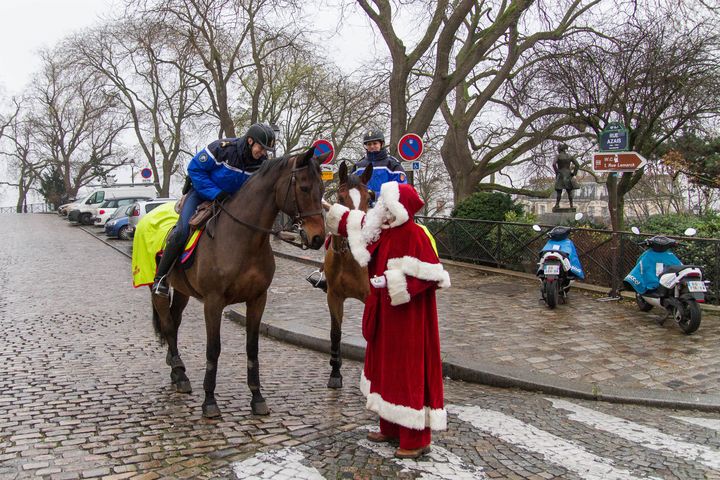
pixel 410 147
pixel 323 146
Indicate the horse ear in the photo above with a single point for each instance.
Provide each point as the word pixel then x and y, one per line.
pixel 304 158
pixel 343 173
pixel 367 174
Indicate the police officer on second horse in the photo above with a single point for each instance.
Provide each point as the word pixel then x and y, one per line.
pixel 216 172
pixel 386 168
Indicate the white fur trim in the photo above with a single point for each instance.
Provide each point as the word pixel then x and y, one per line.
pixel 355 237
pixel 435 418
pixel 390 193
pixel 333 217
pixel 397 287
pixel 433 272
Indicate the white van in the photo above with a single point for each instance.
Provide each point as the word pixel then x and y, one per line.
pixel 85 210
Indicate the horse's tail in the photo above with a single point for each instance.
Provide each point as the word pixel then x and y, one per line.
pixel 156 325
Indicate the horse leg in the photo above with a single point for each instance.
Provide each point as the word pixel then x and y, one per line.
pixel 213 315
pixel 166 328
pixel 335 305
pixel 177 374
pixel 254 311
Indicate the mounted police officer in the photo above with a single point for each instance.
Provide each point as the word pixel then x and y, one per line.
pixel 216 172
pixel 386 168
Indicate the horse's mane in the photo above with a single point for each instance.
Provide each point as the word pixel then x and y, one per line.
pixel 273 164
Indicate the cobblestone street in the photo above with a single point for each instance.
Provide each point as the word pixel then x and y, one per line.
pixel 85 393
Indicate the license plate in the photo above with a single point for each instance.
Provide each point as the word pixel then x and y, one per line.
pixel 551 269
pixel 696 286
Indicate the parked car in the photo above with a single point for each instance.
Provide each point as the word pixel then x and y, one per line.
pixel 142 208
pixel 108 207
pixel 84 210
pixel 63 209
pixel 117 224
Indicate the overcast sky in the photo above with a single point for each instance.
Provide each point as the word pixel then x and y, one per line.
pixel 29 25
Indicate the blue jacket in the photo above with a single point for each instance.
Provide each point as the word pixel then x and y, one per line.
pixel 386 168
pixel 224 165
pixel 644 276
pixel 567 246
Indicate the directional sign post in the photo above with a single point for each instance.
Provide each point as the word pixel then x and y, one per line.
pixel 410 147
pixel 323 146
pixel 618 162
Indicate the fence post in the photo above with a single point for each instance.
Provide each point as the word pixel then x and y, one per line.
pixel 613 293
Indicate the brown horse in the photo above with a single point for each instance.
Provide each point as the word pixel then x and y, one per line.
pixel 237 265
pixel 345 277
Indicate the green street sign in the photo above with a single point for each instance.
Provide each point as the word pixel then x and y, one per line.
pixel 614 138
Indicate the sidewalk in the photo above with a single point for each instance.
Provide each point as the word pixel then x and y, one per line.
pixel 495 330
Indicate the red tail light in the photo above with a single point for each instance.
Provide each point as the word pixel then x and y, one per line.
pixel 136 212
pixel 693 274
pixel 101 212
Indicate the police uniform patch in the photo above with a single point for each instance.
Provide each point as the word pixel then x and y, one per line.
pixel 402 177
pixel 203 157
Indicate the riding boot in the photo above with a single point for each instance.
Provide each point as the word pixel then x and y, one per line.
pixel 173 248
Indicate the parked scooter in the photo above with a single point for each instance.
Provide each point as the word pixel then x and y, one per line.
pixel 659 279
pixel 559 265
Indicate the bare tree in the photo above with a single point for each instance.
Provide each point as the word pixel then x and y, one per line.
pixel 75 122
pixel 654 75
pixel 148 65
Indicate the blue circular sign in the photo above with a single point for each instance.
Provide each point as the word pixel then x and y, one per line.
pixel 146 173
pixel 410 147
pixel 323 146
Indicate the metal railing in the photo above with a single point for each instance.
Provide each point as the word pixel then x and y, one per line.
pixel 30 208
pixel 606 257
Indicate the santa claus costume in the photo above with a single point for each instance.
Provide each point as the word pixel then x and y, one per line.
pixel 402 376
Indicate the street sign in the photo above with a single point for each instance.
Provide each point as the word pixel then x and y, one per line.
pixel 617 162
pixel 614 138
pixel 415 165
pixel 410 147
pixel 146 174
pixel 323 146
pixel 328 171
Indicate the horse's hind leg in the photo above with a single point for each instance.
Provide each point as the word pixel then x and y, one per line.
pixel 213 315
pixel 166 320
pixel 254 311
pixel 177 374
pixel 335 305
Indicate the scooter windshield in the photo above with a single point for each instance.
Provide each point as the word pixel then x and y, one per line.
pixel 646 274
pixel 568 247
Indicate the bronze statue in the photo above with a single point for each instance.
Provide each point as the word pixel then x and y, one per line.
pixel 565 167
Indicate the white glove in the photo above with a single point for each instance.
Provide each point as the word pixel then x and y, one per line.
pixel 378 282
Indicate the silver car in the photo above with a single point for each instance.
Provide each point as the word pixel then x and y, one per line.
pixel 142 208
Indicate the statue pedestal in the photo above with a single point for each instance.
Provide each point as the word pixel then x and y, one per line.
pixel 564 210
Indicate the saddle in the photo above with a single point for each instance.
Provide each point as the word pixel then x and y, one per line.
pixel 204 212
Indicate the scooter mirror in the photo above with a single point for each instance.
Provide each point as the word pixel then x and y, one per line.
pixel 690 232
pixel 579 216
pixel 537 228
pixel 635 230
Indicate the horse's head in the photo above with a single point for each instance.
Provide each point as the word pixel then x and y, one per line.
pixel 300 197
pixel 353 192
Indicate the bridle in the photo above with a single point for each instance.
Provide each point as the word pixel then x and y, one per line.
pixel 297 219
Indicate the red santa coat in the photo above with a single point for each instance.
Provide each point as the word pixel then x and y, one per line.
pixel 402 378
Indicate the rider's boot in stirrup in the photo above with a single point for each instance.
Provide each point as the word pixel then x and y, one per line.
pixel 317 280
pixel 173 248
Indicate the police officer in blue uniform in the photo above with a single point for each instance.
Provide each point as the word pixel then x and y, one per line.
pixel 386 168
pixel 216 172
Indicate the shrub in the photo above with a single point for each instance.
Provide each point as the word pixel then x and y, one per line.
pixel 486 206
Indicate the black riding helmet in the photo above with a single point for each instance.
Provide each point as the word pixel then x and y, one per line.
pixel 374 136
pixel 262 134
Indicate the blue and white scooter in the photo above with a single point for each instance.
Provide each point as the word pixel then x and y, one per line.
pixel 659 279
pixel 559 265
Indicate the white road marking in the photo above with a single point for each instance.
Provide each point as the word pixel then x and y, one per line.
pixel 279 464
pixel 355 196
pixel 438 464
pixel 711 423
pixel 554 449
pixel 647 437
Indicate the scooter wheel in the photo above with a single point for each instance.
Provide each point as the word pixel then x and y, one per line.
pixel 551 294
pixel 691 316
pixel 642 304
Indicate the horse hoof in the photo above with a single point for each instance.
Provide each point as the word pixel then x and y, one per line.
pixel 335 382
pixel 211 411
pixel 183 386
pixel 259 408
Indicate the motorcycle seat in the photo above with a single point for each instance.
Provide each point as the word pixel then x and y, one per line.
pixel 559 252
pixel 677 268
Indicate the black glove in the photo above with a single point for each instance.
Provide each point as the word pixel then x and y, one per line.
pixel 222 196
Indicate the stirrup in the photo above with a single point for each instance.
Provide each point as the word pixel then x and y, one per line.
pixel 317 280
pixel 160 287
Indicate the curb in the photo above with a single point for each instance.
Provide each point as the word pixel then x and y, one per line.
pixel 481 371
